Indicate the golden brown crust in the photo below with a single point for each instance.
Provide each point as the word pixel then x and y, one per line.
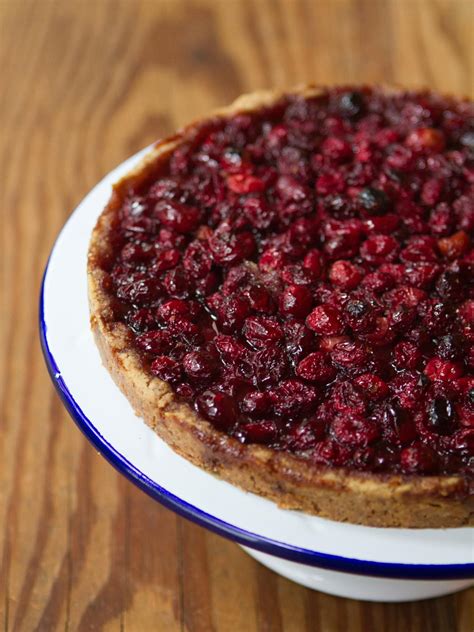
pixel 370 499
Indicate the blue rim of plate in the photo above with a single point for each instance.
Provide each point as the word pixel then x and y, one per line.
pixel 241 536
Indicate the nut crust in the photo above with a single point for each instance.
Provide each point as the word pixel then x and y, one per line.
pixel 293 483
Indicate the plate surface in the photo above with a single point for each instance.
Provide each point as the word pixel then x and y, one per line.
pixel 107 419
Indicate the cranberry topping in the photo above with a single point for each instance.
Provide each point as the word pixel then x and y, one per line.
pixel 303 276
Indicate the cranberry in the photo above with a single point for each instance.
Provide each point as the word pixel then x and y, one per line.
pixel 141 292
pixel 171 308
pixel 218 408
pixel 197 259
pixel 438 369
pixel 137 252
pixel 347 398
pixel 313 263
pixel 156 342
pixel 406 355
pixel 232 313
pixel 450 346
pixel 199 365
pixel 345 275
pixel 293 398
pixel 463 441
pixel 260 431
pixel 242 183
pixel 337 149
pixel 261 331
pixel 360 315
pixel 255 404
pixel 177 283
pixel 141 320
pixel 354 430
pixel 270 365
pixel 258 212
pixel 378 248
pixel 228 248
pixel 177 216
pixel 372 386
pixel 296 301
pixel 166 369
pixel 326 320
pixel 272 259
pixel 316 367
pixel 418 459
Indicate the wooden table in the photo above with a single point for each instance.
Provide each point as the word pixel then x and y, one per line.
pixel 84 85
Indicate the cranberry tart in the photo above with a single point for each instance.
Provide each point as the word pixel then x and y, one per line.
pixel 284 292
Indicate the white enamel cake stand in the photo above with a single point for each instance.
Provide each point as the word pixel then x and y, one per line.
pixel 341 559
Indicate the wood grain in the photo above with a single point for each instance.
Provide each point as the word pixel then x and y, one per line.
pixel 84 85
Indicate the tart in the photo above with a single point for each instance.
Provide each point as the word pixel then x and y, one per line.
pixel 284 293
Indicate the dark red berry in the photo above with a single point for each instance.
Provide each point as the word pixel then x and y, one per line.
pixel 218 408
pixel 166 369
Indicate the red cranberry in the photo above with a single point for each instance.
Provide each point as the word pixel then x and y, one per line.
pixel 255 404
pixel 141 320
pixel 316 368
pixel 197 259
pixel 378 248
pixel 261 331
pixel 296 301
pixel 347 399
pixel 418 459
pixel 406 355
pixel 156 342
pixel 326 320
pixel 165 260
pixel 228 248
pixel 272 259
pixel 260 431
pixel 177 283
pixel 293 398
pixel 313 263
pixel 438 369
pixel 345 275
pixel 242 183
pixel 372 386
pixel 199 365
pixel 258 212
pixel 354 430
pixel 177 216
pixel 137 252
pixel 407 388
pixel 166 369
pixel 141 292
pixel 349 355
pixel 359 315
pixel 337 149
pixel 218 408
pixel 463 442
pixel 232 313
